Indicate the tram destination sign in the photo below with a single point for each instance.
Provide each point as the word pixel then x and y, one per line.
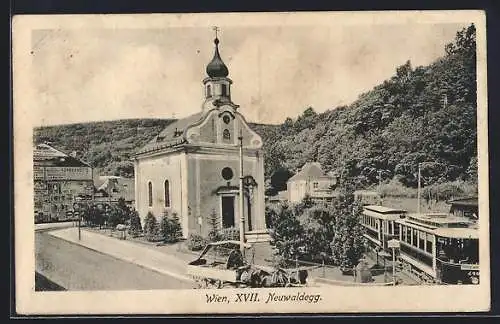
pixel 393 244
pixel 469 267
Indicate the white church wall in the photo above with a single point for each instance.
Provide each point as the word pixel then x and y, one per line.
pixel 156 170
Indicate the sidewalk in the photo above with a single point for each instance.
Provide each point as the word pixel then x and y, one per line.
pixel 127 251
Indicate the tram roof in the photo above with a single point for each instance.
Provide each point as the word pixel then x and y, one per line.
pixel 439 218
pixel 384 209
pixel 458 233
pixel 470 232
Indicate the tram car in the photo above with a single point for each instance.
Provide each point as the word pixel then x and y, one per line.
pixel 440 247
pixel 435 247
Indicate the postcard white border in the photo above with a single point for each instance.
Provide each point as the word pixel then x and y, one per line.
pixel 334 300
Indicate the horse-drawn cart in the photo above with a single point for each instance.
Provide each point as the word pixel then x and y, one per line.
pixel 221 264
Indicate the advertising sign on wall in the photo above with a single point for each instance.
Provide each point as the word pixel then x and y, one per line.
pixel 62 173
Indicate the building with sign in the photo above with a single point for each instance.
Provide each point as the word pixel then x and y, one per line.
pixel 192 167
pixel 59 181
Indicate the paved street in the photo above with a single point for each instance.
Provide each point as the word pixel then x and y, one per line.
pixel 74 267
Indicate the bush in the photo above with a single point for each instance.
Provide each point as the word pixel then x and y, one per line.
pixel 135 224
pixel 170 228
pixel 151 228
pixel 287 233
pixel 213 222
pixel 396 189
pixel 176 227
pixel 196 242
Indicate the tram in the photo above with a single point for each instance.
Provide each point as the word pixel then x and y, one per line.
pixel 440 247
pixel 436 247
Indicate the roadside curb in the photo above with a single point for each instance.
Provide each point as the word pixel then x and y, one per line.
pixel 126 259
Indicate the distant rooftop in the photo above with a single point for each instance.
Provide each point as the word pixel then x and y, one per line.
pixel 310 171
pixel 465 201
pixel 49 156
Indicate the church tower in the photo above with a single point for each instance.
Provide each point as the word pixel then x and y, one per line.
pixel 217 84
pixel 194 167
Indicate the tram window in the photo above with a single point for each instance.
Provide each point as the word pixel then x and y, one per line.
pixel 414 238
pixel 421 236
pixel 428 248
pixel 408 235
pixel 396 228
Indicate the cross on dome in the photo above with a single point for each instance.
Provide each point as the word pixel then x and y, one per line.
pixel 216 68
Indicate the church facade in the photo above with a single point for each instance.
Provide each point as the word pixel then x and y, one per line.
pixel 192 167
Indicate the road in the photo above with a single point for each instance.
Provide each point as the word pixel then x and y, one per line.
pixel 61 264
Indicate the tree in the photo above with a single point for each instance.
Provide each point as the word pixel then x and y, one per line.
pixel 280 178
pixel 318 222
pixel 124 211
pixel 170 228
pixel 472 170
pixel 135 223
pixel 213 222
pixel 348 243
pixel 165 227
pixel 176 228
pixel 287 234
pixel 115 216
pixel 151 228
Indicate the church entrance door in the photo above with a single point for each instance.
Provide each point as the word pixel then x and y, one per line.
pixel 227 211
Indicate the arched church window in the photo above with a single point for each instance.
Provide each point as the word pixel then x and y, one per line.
pixel 150 194
pixel 226 135
pixel 167 193
pixel 224 90
pixel 209 90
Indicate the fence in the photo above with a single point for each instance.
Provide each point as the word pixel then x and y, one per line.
pixel 334 275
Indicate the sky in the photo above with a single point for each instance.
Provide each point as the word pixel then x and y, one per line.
pixel 94 74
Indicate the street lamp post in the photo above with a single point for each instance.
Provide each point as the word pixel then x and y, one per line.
pixel 76 208
pixel 242 217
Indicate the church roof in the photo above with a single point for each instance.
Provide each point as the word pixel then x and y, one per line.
pixel 310 171
pixel 172 135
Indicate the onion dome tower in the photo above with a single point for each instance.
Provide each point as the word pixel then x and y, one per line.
pixel 217 84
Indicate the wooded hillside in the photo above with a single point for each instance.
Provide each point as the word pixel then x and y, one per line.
pixel 420 114
pixel 107 146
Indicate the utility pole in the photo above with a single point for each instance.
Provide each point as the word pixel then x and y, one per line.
pixel 379 179
pixel 242 217
pixel 418 190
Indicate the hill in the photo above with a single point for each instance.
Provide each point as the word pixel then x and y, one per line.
pixel 421 114
pixel 107 145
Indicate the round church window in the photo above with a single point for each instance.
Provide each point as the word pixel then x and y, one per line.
pixel 226 119
pixel 227 173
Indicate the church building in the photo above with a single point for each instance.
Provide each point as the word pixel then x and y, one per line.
pixel 192 167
